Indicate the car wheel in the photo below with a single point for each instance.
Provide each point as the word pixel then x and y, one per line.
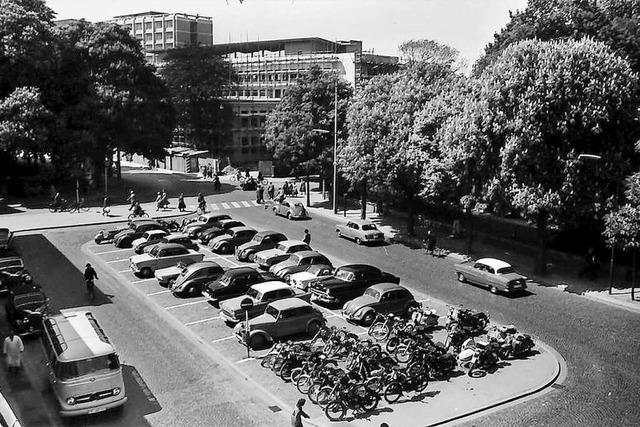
pixel 275 211
pixel 313 327
pixel 192 290
pixel 287 277
pixel 288 215
pixel 146 272
pixel 461 278
pixel 368 318
pixel 358 240
pixel 339 233
pixel 257 341
pixel 493 289
pixel 225 249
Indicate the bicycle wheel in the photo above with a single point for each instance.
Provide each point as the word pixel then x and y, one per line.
pixel 325 395
pixel 84 208
pixel 304 383
pixel 200 211
pixel 379 331
pixel 370 400
pixel 313 392
pixel 403 353
pixel 130 217
pixel 420 382
pixel 285 371
pixel 392 392
pixel 277 364
pixel 53 208
pixel 335 410
pixel 392 344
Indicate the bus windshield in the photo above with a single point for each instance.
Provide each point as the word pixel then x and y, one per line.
pixel 80 368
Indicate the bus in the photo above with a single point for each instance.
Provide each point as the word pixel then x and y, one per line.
pixel 84 370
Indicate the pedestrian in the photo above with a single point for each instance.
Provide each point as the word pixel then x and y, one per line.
pixel 307 237
pixel 271 189
pixel 131 199
pixel 13 348
pixel 298 414
pixel 89 276
pixel 105 205
pixel 260 193
pixel 158 201
pixel 285 188
pixel 181 204
pixel 303 188
pixel 431 243
pixel 259 176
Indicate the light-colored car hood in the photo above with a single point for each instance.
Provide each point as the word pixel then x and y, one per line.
pixel 168 272
pixel 137 242
pixel 233 304
pixel 302 276
pixel 357 303
pixel 137 259
pixel 269 253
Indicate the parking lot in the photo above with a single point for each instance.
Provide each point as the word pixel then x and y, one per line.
pixel 203 319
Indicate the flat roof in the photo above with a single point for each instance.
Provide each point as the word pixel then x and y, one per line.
pixel 279 44
pixel 269 286
pixel 79 335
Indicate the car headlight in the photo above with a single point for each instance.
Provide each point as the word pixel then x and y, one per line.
pixel 116 391
pixel 71 400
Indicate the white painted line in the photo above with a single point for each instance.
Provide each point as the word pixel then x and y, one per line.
pixel 424 300
pixel 116 260
pixel 224 339
pixel 142 280
pixel 225 205
pixel 214 207
pixel 246 204
pixel 362 333
pixel 245 360
pixel 202 321
pixel 236 205
pixel 185 304
pixel 254 203
pixel 159 293
pixel 125 271
pixel 111 252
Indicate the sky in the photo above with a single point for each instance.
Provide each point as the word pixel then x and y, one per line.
pixel 467 25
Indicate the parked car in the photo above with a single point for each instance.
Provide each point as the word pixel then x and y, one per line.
pixel 349 281
pixel 106 236
pixel 204 222
pixel 219 229
pixel 6 236
pixel 315 272
pixel 125 238
pixel 166 276
pixel 11 270
pixel 226 243
pixel 150 237
pixel 163 255
pixel 193 279
pixel 263 240
pixel 286 248
pixel 234 282
pixel 382 298
pixel 281 319
pixel 298 261
pixel 261 294
pixel 292 210
pixel 179 238
pixel 360 230
pixel 491 273
pixel 25 308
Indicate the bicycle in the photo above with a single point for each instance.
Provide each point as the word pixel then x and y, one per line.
pixel 141 214
pixel 202 208
pixel 78 206
pixel 58 206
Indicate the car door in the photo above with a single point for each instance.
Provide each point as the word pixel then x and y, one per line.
pixel 238 286
pixel 397 300
pixel 475 274
pixel 490 277
pixel 288 322
pixel 385 304
pixel 351 230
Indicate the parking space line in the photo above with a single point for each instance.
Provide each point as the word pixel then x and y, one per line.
pixel 245 360
pixel 235 204
pixel 116 260
pixel 125 271
pixel 185 304
pixel 224 339
pixel 225 205
pixel 424 300
pixel 142 280
pixel 195 322
pixel 330 316
pixel 159 292
pixel 111 252
pixel 246 204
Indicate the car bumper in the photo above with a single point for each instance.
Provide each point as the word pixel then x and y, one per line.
pixel 209 296
pixel 135 268
pixel 228 318
pixel 513 289
pixel 327 299
pixel 68 411
pixel 351 316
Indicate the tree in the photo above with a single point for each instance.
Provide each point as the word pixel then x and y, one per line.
pixel 22 116
pixel 622 229
pixel 427 51
pixel 305 106
pixel 197 78
pixel 548 102
pixel 614 22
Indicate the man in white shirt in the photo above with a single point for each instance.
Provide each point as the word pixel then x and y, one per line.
pixel 13 348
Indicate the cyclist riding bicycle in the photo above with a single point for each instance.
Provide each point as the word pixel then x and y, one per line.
pixel 202 204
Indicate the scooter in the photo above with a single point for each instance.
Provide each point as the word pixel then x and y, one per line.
pixel 477 360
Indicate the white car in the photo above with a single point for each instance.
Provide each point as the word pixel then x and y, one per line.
pixel 266 259
pixel 161 256
pixel 360 230
pixel 148 238
pixel 302 279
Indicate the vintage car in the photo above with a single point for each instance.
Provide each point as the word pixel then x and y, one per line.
pixel 204 222
pixel 150 237
pixel 265 259
pixel 226 243
pixel 282 318
pixel 234 282
pixel 219 229
pixel 6 236
pixel 360 230
pixel 166 276
pixel 299 261
pixel 11 271
pixel 491 273
pixel 292 210
pixel 125 238
pixel 348 282
pixel 302 279
pixel 179 238
pixel 263 240
pixel 193 279
pixel 382 298
pixel 25 308
pixel 162 256
pixel 261 294
pixel 107 236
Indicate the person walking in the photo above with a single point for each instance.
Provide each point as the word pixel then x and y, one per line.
pixel 13 349
pixel 271 189
pixel 307 237
pixel 105 205
pixel 181 205
pixel 131 199
pixel 298 414
pixel 431 243
pixel 89 276
pixel 158 201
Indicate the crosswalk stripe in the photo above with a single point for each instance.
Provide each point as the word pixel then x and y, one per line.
pixel 254 203
pixel 235 205
pixel 214 207
pixel 246 204
pixel 225 205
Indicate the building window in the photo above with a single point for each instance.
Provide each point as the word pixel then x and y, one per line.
pixel 254 93
pixel 263 93
pixel 278 93
pixel 148 46
pixel 169 45
pixel 244 150
pixel 254 149
pixel 255 140
pixel 148 37
pixel 158 45
pixel 263 120
pixel 168 36
pixel 138 26
pixel 244 122
pixel 147 25
pixel 139 36
pixel 270 77
pixel 254 122
pixel 158 25
pixel 168 24
pixel 277 77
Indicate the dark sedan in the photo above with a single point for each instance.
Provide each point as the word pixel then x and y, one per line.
pixel 25 308
pixel 193 279
pixel 236 236
pixel 219 229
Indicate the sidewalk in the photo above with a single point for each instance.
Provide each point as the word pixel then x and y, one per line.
pixel 562 273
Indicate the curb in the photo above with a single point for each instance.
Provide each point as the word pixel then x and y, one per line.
pixel 633 307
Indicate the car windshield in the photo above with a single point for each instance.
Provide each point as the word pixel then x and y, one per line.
pixel 94 365
pixel 282 247
pixel 11 263
pixel 253 293
pixel 294 259
pixel 506 270
pixel 271 311
pixel 230 232
pixel 257 238
pixel 368 227
pixel 372 293
pixel 345 275
pixel 154 251
pixel 224 280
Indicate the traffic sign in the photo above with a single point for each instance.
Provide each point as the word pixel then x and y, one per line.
pixel 246 304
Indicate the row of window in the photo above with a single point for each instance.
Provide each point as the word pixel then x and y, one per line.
pixel 268 93
pixel 254 139
pixel 253 122
pixel 150 25
pixel 149 37
pixel 159 46
pixel 267 77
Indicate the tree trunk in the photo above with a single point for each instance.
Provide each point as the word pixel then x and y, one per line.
pixel 119 166
pixel 308 188
pixel 633 274
pixel 410 218
pixel 541 228
pixel 613 248
pixel 468 216
pixel 363 201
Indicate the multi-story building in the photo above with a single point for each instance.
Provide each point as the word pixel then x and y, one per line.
pixel 158 31
pixel 266 69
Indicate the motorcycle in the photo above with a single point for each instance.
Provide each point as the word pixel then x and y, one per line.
pixel 355 396
pixel 477 360
pixel 516 345
pixel 470 321
pixel 106 236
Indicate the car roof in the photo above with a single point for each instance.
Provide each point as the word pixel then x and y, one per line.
pixel 289 243
pixel 240 270
pixel 269 286
pixel 202 264
pixel 156 232
pixel 177 236
pixel 287 303
pixel 241 228
pixel 307 254
pixel 358 267
pixel 228 220
pixel 384 287
pixel 496 264
pixel 361 221
pixel 216 215
pixel 10 258
pixel 84 344
pixel 169 245
pixel 268 232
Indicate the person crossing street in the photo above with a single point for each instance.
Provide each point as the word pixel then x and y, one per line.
pixel 89 276
pixel 307 237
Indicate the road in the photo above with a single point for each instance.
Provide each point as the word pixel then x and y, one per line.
pixel 600 343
